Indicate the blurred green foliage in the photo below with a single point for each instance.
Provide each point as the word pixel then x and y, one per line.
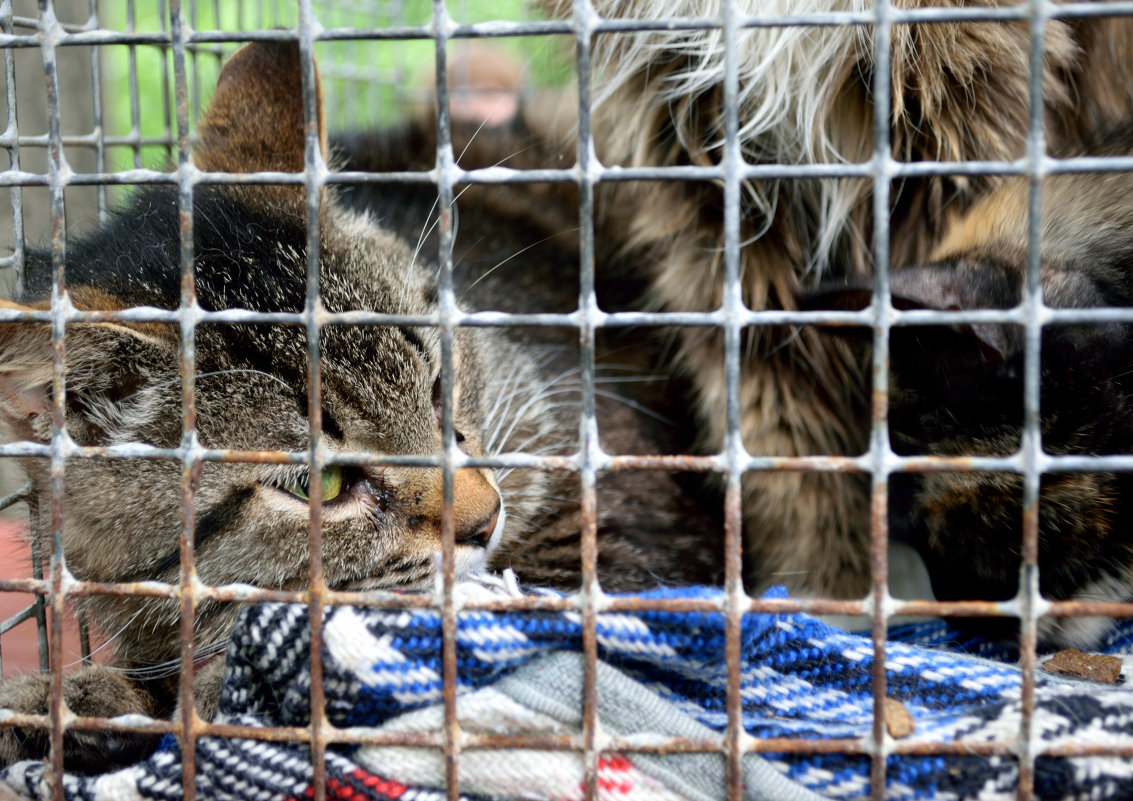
pixel 366 83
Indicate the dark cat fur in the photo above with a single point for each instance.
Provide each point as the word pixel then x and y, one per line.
pixel 636 510
pixel 958 391
pixel 379 389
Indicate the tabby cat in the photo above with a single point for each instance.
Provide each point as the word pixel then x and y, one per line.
pixel 957 390
pixel 381 394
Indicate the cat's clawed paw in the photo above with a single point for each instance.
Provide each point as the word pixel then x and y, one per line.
pixel 94 691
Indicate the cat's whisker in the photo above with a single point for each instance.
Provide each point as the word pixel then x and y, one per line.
pixel 548 450
pixel 501 401
pixel 477 132
pixel 109 640
pixel 539 396
pixel 171 667
pixel 523 447
pixel 467 145
pixel 494 439
pixel 427 228
pixel 210 374
pixel 629 403
pixel 157 671
pixel 505 425
pixel 521 414
pixel 515 255
pixel 552 388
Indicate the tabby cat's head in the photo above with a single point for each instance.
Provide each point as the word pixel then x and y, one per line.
pixel 380 385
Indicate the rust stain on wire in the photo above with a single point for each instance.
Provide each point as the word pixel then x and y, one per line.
pixel 480 741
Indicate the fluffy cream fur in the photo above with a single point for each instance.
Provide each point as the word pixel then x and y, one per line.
pixel 960 91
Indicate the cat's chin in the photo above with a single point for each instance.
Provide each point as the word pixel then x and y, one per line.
pixel 475 560
pixel 469 560
pixel 1087 632
pixel 1084 633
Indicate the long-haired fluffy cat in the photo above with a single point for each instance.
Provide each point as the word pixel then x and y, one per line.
pixel 957 390
pixel 960 92
pixel 515 391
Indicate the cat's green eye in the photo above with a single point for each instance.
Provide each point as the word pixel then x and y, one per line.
pixel 332 485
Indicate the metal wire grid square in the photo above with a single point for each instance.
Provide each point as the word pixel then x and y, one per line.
pixel 184 42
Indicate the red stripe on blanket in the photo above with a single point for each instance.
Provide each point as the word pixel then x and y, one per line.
pixel 376 786
pixel 387 788
pixel 608 781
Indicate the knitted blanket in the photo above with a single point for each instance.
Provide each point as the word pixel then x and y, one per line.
pixel 660 675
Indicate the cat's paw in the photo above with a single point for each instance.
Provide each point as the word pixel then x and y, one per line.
pixel 93 691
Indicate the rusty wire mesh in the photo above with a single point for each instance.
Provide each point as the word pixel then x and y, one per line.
pixel 313 26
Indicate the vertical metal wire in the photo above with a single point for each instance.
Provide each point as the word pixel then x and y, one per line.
pixel 313 169
pixel 132 68
pixel 40 605
pixel 168 113
pixel 1029 600
pixel 190 460
pixel 58 171
pixel 448 314
pixel 590 454
pixel 880 452
pixel 735 455
pixel 11 133
pixel 96 116
pixel 195 67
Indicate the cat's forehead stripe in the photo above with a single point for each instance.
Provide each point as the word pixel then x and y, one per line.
pixel 411 335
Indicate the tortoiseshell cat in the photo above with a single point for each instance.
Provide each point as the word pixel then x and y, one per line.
pixel 958 391
pixel 804 94
pixel 514 391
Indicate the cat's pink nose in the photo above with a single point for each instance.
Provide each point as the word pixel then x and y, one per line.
pixel 479 533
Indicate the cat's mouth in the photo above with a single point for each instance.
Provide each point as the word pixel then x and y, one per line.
pixel 421 574
pixel 497 532
pixel 1087 632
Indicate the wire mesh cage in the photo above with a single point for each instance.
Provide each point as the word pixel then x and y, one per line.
pixel 105 100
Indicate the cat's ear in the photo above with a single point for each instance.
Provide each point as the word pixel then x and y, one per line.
pixel 106 363
pixel 947 286
pixel 256 120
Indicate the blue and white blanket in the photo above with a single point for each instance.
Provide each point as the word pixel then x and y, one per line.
pixel 661 675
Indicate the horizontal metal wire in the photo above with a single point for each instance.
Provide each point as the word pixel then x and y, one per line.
pixel 507 175
pixel 70 35
pixel 385 599
pixel 611 744
pixel 1044 316
pixel 24 614
pixel 1018 463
